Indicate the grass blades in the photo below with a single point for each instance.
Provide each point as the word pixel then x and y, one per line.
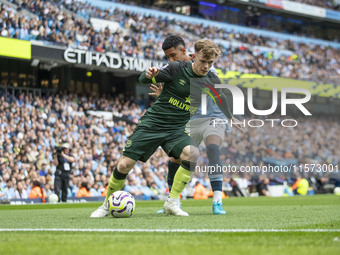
pixel 310 212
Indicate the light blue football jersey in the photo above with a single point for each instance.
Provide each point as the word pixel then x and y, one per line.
pixel 212 110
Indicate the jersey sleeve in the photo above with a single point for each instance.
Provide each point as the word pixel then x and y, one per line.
pixel 165 74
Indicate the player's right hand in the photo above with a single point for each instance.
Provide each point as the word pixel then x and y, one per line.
pixel 152 72
pixel 156 90
pixel 237 124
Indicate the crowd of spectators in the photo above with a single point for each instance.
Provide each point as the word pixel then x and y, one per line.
pixel 31 126
pixel 328 4
pixel 141 37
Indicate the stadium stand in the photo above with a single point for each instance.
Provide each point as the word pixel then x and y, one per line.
pixel 335 5
pixel 245 51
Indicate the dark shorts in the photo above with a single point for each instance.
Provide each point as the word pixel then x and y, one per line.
pixel 144 142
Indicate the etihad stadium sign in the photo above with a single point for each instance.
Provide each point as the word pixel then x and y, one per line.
pixel 109 60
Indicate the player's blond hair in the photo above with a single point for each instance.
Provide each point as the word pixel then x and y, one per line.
pixel 207 48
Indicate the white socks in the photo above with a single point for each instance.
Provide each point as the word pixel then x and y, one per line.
pixel 217 196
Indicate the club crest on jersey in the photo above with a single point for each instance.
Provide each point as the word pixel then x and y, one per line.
pixel 128 144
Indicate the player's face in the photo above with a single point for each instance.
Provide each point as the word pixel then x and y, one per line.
pixel 202 64
pixel 175 54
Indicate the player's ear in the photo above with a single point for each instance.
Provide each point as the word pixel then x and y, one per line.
pixel 193 56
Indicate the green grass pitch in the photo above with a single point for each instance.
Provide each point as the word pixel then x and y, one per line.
pixel 291 214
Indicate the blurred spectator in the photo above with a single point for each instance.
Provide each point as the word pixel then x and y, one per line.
pixel 43 168
pixel 37 191
pixel 49 189
pixel 263 187
pixel 155 191
pixel 2 194
pixel 325 185
pixel 95 190
pixel 235 188
pixel 243 184
pixel 147 192
pixel 20 191
pixel 301 186
pixel 132 187
pixel 9 190
pixel 200 191
pixel 84 190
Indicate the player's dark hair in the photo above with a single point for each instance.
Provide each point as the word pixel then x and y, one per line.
pixel 172 41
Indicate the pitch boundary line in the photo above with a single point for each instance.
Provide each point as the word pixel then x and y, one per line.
pixel 168 230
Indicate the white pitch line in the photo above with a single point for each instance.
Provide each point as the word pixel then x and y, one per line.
pixel 167 230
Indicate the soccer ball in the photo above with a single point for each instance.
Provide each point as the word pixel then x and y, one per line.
pixel 337 191
pixel 53 198
pixel 121 204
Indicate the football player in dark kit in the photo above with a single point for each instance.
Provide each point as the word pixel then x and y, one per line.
pixel 164 123
pixel 200 126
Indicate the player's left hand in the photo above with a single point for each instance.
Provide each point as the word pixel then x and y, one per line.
pixel 156 90
pixel 237 124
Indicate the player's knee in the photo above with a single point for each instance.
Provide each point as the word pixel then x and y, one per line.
pixel 125 164
pixel 190 153
pixel 194 154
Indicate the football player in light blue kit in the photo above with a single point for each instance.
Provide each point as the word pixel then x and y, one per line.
pixel 205 128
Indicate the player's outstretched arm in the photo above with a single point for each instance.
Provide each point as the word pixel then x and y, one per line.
pixel 164 74
pixel 148 75
pixel 237 124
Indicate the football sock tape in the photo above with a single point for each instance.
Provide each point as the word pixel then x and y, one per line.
pixel 172 171
pixel 116 183
pixel 181 179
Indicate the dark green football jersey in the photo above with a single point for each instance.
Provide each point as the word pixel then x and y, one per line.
pixel 173 107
